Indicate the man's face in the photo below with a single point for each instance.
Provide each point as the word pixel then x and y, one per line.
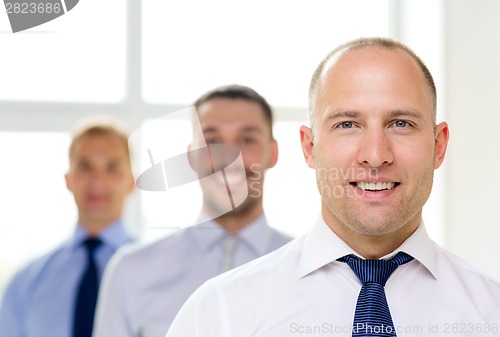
pixel 374 148
pixel 242 124
pixel 100 178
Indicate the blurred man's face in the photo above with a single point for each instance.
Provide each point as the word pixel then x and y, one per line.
pixel 242 124
pixel 100 178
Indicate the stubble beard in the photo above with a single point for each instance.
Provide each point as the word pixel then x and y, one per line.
pixel 214 207
pixel 374 220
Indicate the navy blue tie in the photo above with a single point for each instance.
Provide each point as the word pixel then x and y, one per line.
pixel 87 291
pixel 372 316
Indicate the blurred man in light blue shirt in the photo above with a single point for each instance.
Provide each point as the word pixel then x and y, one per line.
pixel 41 299
pixel 144 287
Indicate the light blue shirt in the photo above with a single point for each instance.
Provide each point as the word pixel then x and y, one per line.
pixel 145 286
pixel 39 300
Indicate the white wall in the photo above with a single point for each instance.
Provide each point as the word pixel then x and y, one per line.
pixel 472 35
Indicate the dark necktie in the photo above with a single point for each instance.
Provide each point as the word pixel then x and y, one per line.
pixel 86 296
pixel 372 316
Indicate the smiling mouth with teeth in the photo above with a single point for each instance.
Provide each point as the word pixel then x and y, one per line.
pixel 379 186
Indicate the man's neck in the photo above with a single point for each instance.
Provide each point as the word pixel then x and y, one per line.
pixel 373 246
pixel 95 227
pixel 233 222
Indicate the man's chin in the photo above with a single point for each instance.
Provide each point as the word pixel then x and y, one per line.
pixel 223 209
pixel 99 215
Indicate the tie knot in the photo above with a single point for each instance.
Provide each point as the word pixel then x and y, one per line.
pixel 375 271
pixel 91 244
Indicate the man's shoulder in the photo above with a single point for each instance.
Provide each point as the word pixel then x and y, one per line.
pixel 31 272
pixel 279 238
pixel 267 269
pixel 262 276
pixel 157 250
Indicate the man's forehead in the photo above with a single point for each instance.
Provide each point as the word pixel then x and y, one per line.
pixel 359 67
pixel 227 109
pixel 346 57
pixel 358 59
pixel 234 118
pixel 102 138
pixel 365 93
pixel 99 145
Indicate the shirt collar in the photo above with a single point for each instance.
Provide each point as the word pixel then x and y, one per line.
pixel 422 248
pixel 208 233
pixel 323 246
pixel 112 236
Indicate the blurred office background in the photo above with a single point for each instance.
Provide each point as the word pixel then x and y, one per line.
pixel 140 60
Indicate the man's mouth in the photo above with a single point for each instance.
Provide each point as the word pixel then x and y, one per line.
pixel 96 198
pixel 235 177
pixel 232 177
pixel 372 186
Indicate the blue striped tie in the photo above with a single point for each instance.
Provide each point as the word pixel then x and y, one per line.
pixel 372 316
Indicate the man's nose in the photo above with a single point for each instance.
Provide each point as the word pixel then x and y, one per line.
pixel 222 155
pixel 98 178
pixel 375 149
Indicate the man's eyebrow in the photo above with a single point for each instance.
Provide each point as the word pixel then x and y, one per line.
pixel 391 114
pixel 209 129
pixel 251 128
pixel 405 113
pixel 344 114
pixel 117 160
pixel 85 159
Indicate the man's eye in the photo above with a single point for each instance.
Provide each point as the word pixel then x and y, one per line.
pixel 83 166
pixel 113 168
pixel 247 140
pixel 346 125
pixel 401 124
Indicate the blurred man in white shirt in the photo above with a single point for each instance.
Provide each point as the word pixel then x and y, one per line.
pixel 146 286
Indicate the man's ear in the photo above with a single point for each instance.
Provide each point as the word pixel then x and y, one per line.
pixel 441 143
pixel 307 142
pixel 196 158
pixel 68 182
pixel 190 159
pixel 274 153
pixel 132 183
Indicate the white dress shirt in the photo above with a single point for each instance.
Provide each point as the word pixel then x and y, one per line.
pixel 144 287
pixel 301 290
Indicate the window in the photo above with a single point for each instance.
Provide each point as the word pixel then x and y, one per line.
pixel 37 210
pixel 64 63
pixel 271 46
